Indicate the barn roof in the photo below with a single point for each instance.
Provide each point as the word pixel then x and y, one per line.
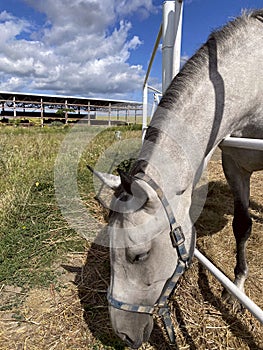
pixel 60 99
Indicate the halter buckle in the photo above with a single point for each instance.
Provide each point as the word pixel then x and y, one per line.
pixel 177 236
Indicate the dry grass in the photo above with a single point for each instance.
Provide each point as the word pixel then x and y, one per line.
pixel 76 316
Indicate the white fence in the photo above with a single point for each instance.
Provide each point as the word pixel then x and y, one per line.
pixel 237 142
pixel 170 31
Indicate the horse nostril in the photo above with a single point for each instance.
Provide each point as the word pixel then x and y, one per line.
pixel 132 344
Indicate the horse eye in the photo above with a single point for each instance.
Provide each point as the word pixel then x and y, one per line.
pixel 141 257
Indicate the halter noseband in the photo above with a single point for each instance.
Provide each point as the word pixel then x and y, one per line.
pixel 184 259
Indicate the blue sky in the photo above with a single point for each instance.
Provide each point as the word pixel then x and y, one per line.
pixel 95 48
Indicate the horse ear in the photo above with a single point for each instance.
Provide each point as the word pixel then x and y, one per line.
pixel 126 181
pixel 107 179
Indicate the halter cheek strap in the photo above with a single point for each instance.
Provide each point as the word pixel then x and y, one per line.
pixel 161 307
pixel 184 259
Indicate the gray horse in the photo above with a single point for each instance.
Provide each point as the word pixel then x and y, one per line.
pixel 217 93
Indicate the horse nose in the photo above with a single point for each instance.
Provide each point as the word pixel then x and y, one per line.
pixel 134 344
pixel 132 327
pixel 136 340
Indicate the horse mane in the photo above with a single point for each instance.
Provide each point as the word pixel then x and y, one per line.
pixel 222 39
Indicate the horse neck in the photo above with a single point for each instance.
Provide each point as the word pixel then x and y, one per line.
pixel 200 109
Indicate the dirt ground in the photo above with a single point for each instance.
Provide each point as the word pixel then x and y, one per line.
pixel 75 316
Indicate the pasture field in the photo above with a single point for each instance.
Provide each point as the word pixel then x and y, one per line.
pixel 53 282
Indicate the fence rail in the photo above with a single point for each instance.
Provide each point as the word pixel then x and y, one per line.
pixel 241 142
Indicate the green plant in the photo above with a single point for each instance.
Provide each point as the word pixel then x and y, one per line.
pixel 57 123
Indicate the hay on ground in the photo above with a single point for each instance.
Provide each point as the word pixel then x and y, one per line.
pixel 76 316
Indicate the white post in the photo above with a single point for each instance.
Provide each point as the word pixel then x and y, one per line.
pixel 42 112
pixel 14 106
pixel 144 110
pixel 171 47
pixel 66 111
pixel 178 39
pixel 248 303
pixel 109 115
pixel 89 113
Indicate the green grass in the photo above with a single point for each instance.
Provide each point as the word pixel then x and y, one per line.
pixel 30 219
pixel 33 232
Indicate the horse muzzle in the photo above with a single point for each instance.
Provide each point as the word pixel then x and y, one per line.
pixel 133 328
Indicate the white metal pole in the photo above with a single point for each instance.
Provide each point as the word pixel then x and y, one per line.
pixel 240 142
pixel 14 106
pixel 248 303
pixel 171 47
pixel 42 112
pixel 156 45
pixel 66 111
pixel 178 39
pixel 109 115
pixel 145 84
pixel 145 108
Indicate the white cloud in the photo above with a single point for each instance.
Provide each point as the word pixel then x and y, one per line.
pixel 11 26
pixel 184 59
pixel 127 7
pixel 15 82
pixel 84 48
pixel 5 16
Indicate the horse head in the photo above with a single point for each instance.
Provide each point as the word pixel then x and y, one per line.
pixel 142 255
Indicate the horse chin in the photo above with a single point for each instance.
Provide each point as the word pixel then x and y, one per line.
pixel 133 328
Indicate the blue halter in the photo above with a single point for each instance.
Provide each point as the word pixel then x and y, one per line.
pixel 184 260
